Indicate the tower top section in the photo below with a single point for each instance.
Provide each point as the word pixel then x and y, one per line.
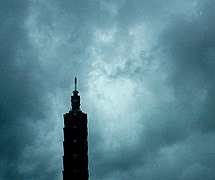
pixel 75 98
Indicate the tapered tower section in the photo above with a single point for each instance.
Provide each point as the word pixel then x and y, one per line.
pixel 75 159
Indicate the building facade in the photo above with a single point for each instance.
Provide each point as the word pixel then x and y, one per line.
pixel 75 159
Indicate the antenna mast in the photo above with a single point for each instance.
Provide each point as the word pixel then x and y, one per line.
pixel 75 84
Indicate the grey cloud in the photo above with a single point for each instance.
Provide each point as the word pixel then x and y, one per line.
pixel 191 77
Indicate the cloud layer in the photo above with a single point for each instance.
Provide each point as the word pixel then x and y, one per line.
pixel 146 79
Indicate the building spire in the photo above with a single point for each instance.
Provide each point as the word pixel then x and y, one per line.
pixel 75 84
pixel 75 98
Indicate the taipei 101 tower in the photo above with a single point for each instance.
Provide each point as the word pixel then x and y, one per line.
pixel 75 159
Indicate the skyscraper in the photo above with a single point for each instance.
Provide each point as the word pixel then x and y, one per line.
pixel 75 159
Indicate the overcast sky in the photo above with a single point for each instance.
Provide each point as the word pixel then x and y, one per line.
pixel 146 74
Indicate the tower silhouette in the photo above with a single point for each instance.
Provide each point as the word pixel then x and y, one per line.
pixel 75 159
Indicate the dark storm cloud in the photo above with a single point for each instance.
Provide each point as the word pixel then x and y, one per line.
pixel 192 60
pixel 11 89
pixel 21 94
pixel 146 73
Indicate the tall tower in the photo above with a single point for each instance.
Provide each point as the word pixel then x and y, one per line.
pixel 75 159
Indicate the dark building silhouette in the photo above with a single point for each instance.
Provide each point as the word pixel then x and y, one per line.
pixel 75 159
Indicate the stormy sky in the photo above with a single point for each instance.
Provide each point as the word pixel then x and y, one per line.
pixel 146 74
